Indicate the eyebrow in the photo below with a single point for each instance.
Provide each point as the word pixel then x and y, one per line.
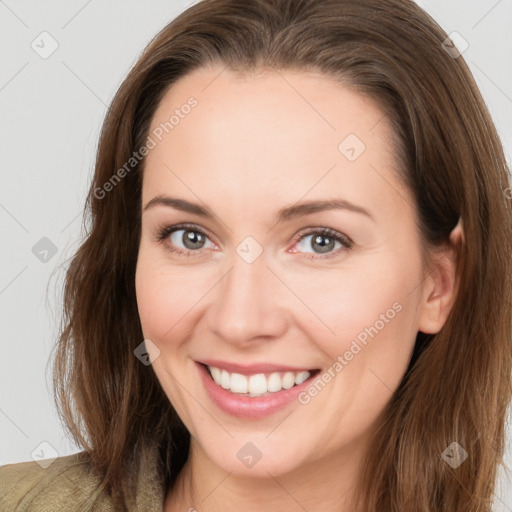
pixel 287 213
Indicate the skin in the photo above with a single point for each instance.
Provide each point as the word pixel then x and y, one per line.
pixel 252 145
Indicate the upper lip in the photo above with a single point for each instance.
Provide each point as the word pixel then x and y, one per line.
pixel 250 369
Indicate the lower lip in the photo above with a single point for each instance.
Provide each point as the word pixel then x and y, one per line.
pixel 245 406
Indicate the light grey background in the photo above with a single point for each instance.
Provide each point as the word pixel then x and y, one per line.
pixel 51 112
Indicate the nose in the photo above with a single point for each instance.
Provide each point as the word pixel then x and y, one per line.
pixel 249 304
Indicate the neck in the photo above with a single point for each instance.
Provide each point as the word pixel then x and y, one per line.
pixel 323 485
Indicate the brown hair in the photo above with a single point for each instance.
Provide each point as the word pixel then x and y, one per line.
pixel 458 384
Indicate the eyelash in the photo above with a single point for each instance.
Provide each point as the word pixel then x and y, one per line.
pixel 164 231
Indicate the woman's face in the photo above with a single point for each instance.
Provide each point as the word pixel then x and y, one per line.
pixel 258 167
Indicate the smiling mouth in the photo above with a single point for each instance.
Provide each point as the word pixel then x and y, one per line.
pixel 258 384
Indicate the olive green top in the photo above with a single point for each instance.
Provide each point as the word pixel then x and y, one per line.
pixel 69 484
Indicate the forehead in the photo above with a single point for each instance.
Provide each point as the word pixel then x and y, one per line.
pixel 250 135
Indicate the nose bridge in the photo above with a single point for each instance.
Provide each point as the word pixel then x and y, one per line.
pixel 245 305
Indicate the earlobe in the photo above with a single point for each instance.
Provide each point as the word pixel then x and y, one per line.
pixel 441 285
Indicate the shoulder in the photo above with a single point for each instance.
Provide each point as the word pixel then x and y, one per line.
pixel 66 483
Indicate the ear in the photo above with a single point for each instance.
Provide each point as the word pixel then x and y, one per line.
pixel 441 285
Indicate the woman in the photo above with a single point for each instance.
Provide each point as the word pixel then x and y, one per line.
pixel 295 291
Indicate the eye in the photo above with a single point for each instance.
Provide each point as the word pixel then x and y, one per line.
pixel 184 239
pixel 324 240
pixel 187 239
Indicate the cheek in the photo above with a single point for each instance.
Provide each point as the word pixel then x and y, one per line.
pixel 165 297
pixel 369 309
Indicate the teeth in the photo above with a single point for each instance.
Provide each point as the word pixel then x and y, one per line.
pixel 215 374
pixel 259 384
pixel 288 380
pixel 301 377
pixel 274 383
pixel 238 383
pixel 225 379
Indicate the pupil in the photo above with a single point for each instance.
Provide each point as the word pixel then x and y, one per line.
pixel 191 238
pixel 324 247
